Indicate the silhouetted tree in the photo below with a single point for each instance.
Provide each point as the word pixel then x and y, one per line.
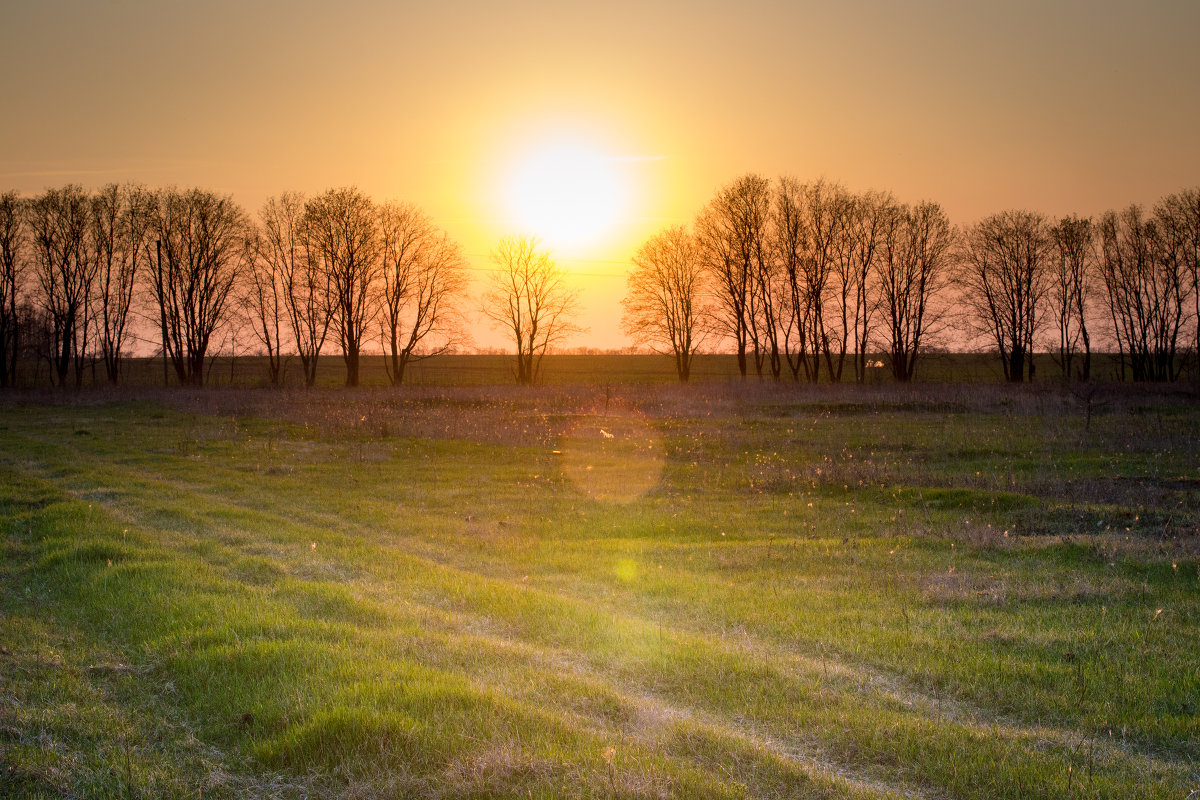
pixel 423 277
pixel 1181 213
pixel 829 272
pixel 121 219
pixel 528 299
pixel 665 301
pixel 1144 276
pixel 59 224
pixel 344 241
pixel 1072 265
pixel 814 254
pixel 826 243
pixel 789 245
pixel 869 217
pixel 749 200
pixel 264 299
pixel 731 231
pixel 1005 275
pixel 307 288
pixel 913 269
pixel 12 267
pixel 35 332
pixel 202 246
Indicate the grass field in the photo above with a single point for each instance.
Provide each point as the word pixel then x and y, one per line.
pixel 609 591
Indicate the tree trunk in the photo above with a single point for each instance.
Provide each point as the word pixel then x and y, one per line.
pixel 1016 366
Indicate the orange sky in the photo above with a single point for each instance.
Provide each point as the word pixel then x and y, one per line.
pixel 1061 107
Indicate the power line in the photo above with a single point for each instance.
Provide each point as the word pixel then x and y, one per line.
pixel 622 275
pixel 570 273
pixel 622 261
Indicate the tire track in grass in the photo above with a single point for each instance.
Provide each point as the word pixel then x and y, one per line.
pixel 822 774
pixel 894 687
pixel 657 717
pixel 195 497
pixel 929 705
pixel 802 668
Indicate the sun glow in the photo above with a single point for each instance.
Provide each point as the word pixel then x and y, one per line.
pixel 567 195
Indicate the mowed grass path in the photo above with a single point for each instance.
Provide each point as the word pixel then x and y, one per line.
pixel 736 592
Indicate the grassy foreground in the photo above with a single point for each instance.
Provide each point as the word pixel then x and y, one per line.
pixel 647 591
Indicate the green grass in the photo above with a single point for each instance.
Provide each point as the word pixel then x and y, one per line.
pixel 748 591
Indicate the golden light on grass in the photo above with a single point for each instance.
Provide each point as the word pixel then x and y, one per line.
pixel 616 458
pixel 566 194
pixel 627 570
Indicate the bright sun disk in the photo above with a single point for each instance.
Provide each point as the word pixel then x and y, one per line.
pixel 566 195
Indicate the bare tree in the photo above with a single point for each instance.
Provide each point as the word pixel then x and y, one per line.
pixel 1071 269
pixel 36 337
pixel 816 266
pixel 1182 211
pixel 423 274
pixel 1144 277
pixel 825 246
pixel 790 243
pixel 749 200
pixel 120 222
pixel 732 234
pixel 665 302
pixel 869 217
pixel 913 269
pixel 288 252
pixel 528 299
pixel 815 258
pixel 1005 275
pixel 59 223
pixel 202 247
pixel 343 240
pixel 265 299
pixel 12 267
pixel 832 212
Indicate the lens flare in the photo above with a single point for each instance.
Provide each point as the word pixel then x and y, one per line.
pixel 613 457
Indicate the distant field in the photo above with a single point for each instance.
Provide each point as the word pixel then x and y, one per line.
pixel 484 370
pixel 622 589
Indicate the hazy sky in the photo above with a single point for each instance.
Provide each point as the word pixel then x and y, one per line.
pixel 1060 107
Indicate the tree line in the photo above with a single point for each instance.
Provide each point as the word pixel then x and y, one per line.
pixel 808 281
pixel 339 268
pixel 811 280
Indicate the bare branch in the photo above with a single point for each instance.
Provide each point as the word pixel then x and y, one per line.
pixel 528 298
pixel 664 306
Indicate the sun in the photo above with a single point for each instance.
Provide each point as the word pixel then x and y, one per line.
pixel 566 194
